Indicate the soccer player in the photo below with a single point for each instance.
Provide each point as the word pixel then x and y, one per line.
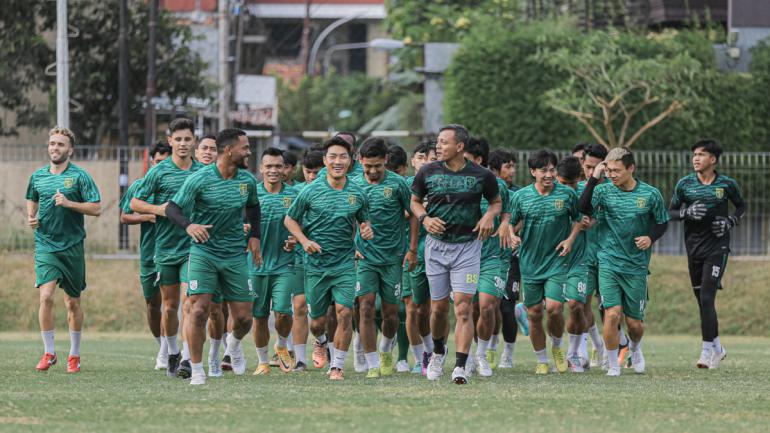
pixel 382 258
pixel 416 292
pixel 206 149
pixel 216 197
pixel 58 195
pixel 635 217
pixel 548 214
pixel 272 280
pixel 453 188
pixel 355 167
pixel 172 244
pixel 579 152
pixel 312 162
pixel 289 167
pixel 323 219
pixel 491 286
pixel 701 201
pixel 147 273
pixel 397 160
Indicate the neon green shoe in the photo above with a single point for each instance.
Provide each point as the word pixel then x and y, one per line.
pixel 492 358
pixel 559 359
pixel 386 364
pixel 373 373
pixel 541 368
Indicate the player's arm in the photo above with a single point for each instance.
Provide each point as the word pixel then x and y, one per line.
pixel 32 207
pixel 199 232
pixel 678 209
pixel 136 218
pixel 721 225
pixel 86 208
pixel 565 246
pixel 141 206
pixel 295 214
pixel 254 218
pixel 139 202
pixel 661 217
pixel 364 220
pixel 486 225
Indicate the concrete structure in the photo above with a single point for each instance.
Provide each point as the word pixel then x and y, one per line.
pixel 748 23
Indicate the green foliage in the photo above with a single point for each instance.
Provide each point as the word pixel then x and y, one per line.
pixel 334 102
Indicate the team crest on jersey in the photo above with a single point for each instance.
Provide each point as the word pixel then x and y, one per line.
pixel 720 193
pixel 68 182
pixel 244 189
pixel 387 192
pixel 641 202
pixel 352 200
pixel 287 202
pixel 470 182
pixel 558 204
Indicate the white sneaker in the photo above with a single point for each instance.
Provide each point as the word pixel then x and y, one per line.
pixel 506 361
pixel 198 379
pixel 717 357
pixel 215 368
pixel 605 361
pixel 436 366
pixel 359 362
pixel 458 376
pixel 637 361
pixel 236 355
pixel 613 371
pixel 470 366
pixel 402 366
pixel 161 361
pixel 575 364
pixel 705 359
pixel 485 370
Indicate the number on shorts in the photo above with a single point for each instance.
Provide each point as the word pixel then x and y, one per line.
pixel 472 278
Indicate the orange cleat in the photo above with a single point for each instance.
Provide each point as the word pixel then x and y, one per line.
pixel 319 355
pixel 284 359
pixel 73 364
pixel 46 362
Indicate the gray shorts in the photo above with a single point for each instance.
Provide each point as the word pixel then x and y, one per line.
pixel 452 267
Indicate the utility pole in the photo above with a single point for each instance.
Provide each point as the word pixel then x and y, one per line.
pixel 123 113
pixel 62 66
pixel 304 52
pixel 224 82
pixel 149 109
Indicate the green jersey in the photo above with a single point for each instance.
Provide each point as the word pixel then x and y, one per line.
pixel 505 254
pixel 388 200
pixel 160 184
pixel 299 253
pixel 60 228
pixel 547 220
pixel 329 217
pixel 146 229
pixel 593 237
pixel 628 215
pixel 219 202
pixel 490 249
pixel 455 197
pixel 273 207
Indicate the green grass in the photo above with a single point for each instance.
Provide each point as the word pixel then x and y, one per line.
pixel 118 391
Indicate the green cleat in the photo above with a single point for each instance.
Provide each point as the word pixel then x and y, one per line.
pixel 373 373
pixel 386 364
pixel 492 358
pixel 559 359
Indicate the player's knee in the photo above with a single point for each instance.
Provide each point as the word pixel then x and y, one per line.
pixel 612 315
pixel 318 327
pixel 72 304
pixel 46 299
pixel 488 310
pixel 575 308
pixel 535 313
pixel 300 310
pixel 554 308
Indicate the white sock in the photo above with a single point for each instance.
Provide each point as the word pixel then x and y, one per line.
pixel 173 348
pixel 158 340
pixel 493 343
pixel 417 352
pixel 612 358
pixel 707 345
pixel 262 355
pixel 634 345
pixel 299 353
pixel 163 347
pixel 331 351
pixel 542 357
pixel 233 343
pixel 321 339
pixel 48 343
pixel 224 340
pixel 290 342
pixel 481 348
pixel 427 341
pixel 556 341
pixel 185 351
pixel 596 339
pixel 508 349
pixel 214 349
pixel 386 344
pixel 282 341
pixel 75 343
pixel 717 345
pixel 372 360
pixel 197 369
pixel 623 339
pixel 574 344
pixel 339 359
pixel 583 349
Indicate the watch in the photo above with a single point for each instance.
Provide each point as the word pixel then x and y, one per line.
pixel 422 217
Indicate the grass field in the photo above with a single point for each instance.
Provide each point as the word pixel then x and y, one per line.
pixel 118 391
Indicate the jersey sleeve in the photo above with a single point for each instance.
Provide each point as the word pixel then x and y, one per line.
pixel 734 194
pixel 125 202
pixel 515 208
pixel 404 197
pixel 253 198
pixel 88 189
pixel 363 212
pixel 299 206
pixel 658 208
pixel 149 184
pixel 32 193
pixel 573 208
pixel 597 198
pixel 185 197
pixel 490 190
pixel 677 200
pixel 419 188
pixel 505 196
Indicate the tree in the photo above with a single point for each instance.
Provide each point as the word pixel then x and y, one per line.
pixel 618 95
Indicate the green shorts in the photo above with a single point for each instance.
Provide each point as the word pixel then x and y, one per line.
pixel 489 279
pixel 384 280
pixel 173 273
pixel 577 285
pixel 149 278
pixel 297 280
pixel 323 288
pixel 67 267
pixel 628 290
pixel 505 267
pixel 592 278
pixel 226 279
pixel 418 283
pixel 535 291
pixel 272 290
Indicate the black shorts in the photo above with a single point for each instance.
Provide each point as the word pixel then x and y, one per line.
pixel 513 283
pixel 709 270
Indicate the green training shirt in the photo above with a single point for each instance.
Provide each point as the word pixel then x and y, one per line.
pixel 593 237
pixel 60 228
pixel 547 220
pixel 213 200
pixel 273 208
pixel 490 249
pixel 160 184
pixel 388 200
pixel 330 218
pixel 505 254
pixel 299 253
pixel 146 229
pixel 628 215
